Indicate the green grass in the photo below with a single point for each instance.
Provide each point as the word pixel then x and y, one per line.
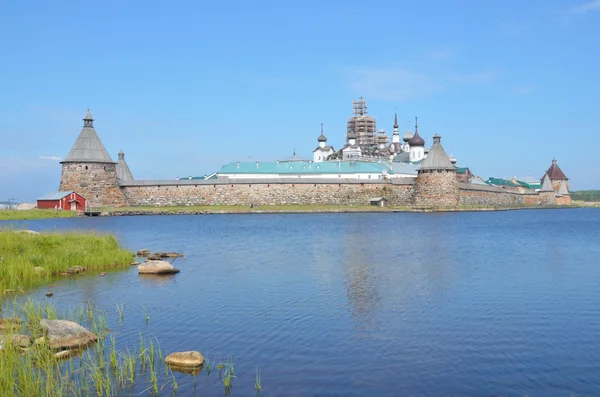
pixel 101 370
pixel 22 255
pixel 15 215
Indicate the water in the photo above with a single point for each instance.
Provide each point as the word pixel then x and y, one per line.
pixel 465 304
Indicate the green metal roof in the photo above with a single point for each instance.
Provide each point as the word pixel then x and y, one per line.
pixel 500 182
pixel 303 167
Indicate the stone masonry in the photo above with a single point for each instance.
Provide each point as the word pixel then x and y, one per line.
pixel 265 194
pixel 97 182
pixel 437 188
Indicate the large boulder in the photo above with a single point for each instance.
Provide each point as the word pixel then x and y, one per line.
pixel 189 359
pixel 156 267
pixel 64 334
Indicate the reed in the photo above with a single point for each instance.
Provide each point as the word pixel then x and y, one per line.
pixel 257 384
pixel 101 370
pixel 30 260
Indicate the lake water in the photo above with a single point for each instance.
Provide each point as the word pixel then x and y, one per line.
pixel 382 304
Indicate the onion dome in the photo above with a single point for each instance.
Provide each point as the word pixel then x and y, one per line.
pixel 452 159
pixel 351 135
pixel 407 136
pixel 322 137
pixel 416 140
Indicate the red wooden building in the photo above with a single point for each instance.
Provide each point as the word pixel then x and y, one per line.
pixel 69 201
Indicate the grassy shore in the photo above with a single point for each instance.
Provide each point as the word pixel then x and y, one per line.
pixel 101 370
pixel 12 215
pixel 28 260
pixel 302 208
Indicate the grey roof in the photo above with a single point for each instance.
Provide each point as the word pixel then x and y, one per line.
pixel 546 185
pixel 395 120
pixel 322 138
pixel 562 190
pixel 88 148
pixel 437 158
pixel 403 157
pixel 123 172
pixel 324 148
pixel 55 195
pixel 407 136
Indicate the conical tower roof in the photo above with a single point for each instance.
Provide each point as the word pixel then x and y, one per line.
pixel 123 172
pixel 546 185
pixel 88 148
pixel 562 190
pixel 554 172
pixel 437 158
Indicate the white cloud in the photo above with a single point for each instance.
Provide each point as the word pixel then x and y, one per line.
pixel 54 158
pixel 583 8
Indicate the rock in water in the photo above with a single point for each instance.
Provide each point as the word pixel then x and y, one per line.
pixel 63 354
pixel 64 334
pixel 156 267
pixel 76 270
pixel 144 252
pixel 9 323
pixel 16 340
pixel 185 359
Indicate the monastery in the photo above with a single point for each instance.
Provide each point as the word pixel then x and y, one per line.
pixel 403 173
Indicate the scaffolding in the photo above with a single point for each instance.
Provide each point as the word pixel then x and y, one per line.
pixel 363 125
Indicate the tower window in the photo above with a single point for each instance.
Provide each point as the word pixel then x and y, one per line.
pixel 86 167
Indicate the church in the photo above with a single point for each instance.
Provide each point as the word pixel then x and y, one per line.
pixel 403 173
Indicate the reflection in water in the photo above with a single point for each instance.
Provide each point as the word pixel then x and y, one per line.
pixel 157 280
pixel 361 280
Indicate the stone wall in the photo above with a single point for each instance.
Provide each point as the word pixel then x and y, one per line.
pixel 97 182
pixel 563 200
pixel 436 189
pixel 481 195
pixel 265 194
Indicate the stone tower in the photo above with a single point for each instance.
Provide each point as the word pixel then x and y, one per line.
pixel 557 177
pixel 436 184
pixel 89 170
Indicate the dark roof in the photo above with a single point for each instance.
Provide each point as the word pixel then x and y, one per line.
pixel 554 172
pixel 322 138
pixel 416 140
pixel 396 120
pixel 437 158
pixel 88 148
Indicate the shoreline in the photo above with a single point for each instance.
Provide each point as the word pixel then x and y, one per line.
pixel 158 211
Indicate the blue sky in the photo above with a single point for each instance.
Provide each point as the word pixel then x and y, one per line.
pixel 186 87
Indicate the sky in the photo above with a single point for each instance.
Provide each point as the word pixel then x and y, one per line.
pixel 185 87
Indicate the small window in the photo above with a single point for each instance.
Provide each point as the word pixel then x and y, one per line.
pixel 86 167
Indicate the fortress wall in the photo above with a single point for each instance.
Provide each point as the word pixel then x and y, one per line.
pixel 265 194
pixel 97 182
pixel 490 198
pixel 563 200
pixel 436 189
